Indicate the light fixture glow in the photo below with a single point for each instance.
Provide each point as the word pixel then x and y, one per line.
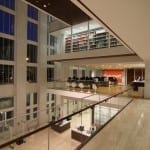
pixel 44 5
pixel 27 59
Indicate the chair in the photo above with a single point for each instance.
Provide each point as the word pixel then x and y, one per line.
pixel 73 84
pixel 81 86
pixel 94 88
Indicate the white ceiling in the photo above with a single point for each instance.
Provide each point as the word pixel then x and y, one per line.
pixel 114 65
pixel 128 20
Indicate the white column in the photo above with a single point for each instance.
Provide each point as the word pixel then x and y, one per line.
pixel 20 64
pixel 42 67
pixel 62 71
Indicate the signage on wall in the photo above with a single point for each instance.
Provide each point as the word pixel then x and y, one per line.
pixel 114 73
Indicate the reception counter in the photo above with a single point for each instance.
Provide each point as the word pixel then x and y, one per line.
pixel 136 84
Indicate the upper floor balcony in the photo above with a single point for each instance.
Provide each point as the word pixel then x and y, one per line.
pixel 84 40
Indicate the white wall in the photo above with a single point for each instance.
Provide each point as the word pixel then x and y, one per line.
pixel 120 50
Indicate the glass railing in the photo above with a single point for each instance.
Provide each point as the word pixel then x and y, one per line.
pixel 72 124
pixel 89 87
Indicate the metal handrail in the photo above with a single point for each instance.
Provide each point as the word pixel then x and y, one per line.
pixel 61 119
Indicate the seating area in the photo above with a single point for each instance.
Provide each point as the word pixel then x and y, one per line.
pixel 88 81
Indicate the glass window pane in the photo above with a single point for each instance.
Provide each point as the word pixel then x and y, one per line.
pixel 50 74
pixel 1 22
pixel 8 3
pixel 6 102
pixel 32 31
pixel 31 53
pixel 28 100
pixel 6 23
pixel 11 24
pixel 9 114
pixel 32 74
pixel 35 112
pixel 35 98
pixel 6 49
pixel 32 12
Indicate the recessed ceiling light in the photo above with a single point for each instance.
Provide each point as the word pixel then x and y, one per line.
pixel 27 59
pixel 44 6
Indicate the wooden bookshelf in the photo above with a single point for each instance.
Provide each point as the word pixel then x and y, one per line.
pixel 68 44
pixel 90 40
pixel 114 42
pixel 101 40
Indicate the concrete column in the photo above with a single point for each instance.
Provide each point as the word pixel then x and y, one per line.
pixel 58 71
pixel 63 72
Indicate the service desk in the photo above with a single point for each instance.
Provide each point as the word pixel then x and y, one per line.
pixel 80 136
pixel 60 127
pixel 137 84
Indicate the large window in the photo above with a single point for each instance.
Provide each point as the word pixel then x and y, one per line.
pixel 50 74
pixel 35 100
pixel 6 102
pixel 6 74
pixel 52 41
pixel 32 12
pixel 31 106
pixel 28 100
pixel 32 33
pixel 51 19
pixel 6 49
pixel 32 53
pixel 4 116
pixel 32 74
pixel 75 73
pixel 8 3
pixel 6 23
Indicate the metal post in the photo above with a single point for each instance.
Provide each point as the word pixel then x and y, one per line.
pixel 48 129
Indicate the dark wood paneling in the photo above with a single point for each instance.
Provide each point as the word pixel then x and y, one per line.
pixel 62 9
pixel 130 76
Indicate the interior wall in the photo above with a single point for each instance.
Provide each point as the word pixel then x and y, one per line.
pixel 134 21
pixel 134 74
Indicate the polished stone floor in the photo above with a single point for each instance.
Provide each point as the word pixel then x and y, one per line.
pixel 128 131
pixel 57 141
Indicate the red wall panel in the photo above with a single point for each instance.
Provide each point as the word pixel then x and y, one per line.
pixel 114 73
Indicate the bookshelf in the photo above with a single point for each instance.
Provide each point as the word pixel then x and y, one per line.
pixel 80 42
pixel 94 39
pixel 75 44
pixel 83 42
pixel 114 42
pixel 98 40
pixel 68 44
pixel 92 43
pixel 101 40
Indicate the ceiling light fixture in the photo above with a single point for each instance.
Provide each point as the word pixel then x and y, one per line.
pixel 44 6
